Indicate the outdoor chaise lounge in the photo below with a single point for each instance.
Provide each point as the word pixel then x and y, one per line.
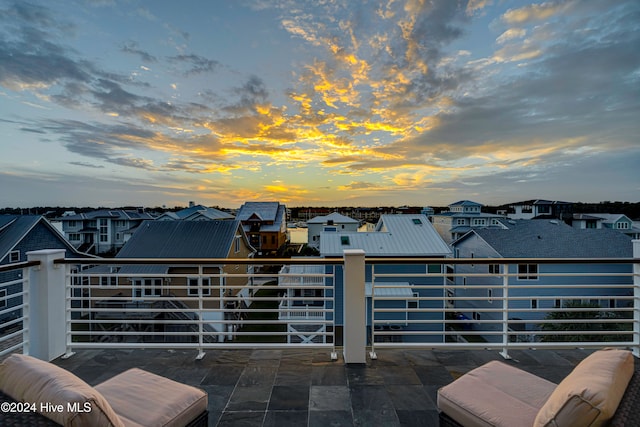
pixel 602 390
pixel 133 398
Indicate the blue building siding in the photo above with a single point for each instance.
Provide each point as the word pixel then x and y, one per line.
pixel 398 319
pixel 40 237
pixel 532 295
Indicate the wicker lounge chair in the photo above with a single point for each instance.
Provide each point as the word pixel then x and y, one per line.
pixel 38 393
pixel 604 389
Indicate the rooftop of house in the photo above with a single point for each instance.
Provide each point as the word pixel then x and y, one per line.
pixel 553 239
pixel 14 228
pixel 116 214
pixel 294 387
pixel 181 239
pixel 395 235
pixel 272 212
pixel 210 213
pixel 335 217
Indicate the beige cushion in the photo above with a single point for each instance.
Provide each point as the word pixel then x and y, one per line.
pixel 141 398
pixel 27 379
pixel 495 394
pixel 591 393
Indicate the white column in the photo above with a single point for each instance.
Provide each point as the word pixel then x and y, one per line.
pixel 354 316
pixel 636 300
pixel 47 303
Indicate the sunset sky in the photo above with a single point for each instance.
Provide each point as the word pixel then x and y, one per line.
pixel 318 103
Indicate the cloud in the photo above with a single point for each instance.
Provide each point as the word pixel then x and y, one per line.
pixel 133 48
pixel 196 64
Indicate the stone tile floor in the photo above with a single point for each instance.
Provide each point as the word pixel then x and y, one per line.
pixel 305 388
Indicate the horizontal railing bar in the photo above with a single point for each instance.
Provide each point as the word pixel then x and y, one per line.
pixel 18 265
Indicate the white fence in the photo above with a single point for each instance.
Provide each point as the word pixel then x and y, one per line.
pixel 55 305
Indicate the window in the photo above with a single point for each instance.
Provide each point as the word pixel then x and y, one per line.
pixel 72 224
pixel 14 256
pixel 494 268
pixel 460 221
pixel 236 248
pixel 413 303
pixel 193 285
pixel 330 229
pixel 110 280
pixel 622 225
pixel 476 315
pixel 3 301
pixel 344 240
pixel 74 237
pixel 490 295
pixel 479 221
pixel 527 271
pixel 152 287
pixel 104 230
pixel 417 221
pixel 434 268
pixel 534 304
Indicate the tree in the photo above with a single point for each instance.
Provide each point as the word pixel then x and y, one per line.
pixel 594 321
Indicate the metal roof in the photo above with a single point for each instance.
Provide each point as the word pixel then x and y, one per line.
pixel 397 235
pixel 108 213
pixel 335 217
pixel 389 289
pixel 537 238
pixel 465 203
pixel 266 211
pixel 181 239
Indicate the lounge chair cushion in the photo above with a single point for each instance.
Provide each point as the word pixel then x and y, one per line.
pixel 591 393
pixel 31 380
pixel 141 398
pixel 495 395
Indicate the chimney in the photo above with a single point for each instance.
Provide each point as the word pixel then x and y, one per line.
pixel 191 203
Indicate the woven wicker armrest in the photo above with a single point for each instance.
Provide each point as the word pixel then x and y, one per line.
pixel 627 413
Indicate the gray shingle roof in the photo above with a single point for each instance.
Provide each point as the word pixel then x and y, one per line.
pixel 13 228
pixel 555 239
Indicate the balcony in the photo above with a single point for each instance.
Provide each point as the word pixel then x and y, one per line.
pixel 230 333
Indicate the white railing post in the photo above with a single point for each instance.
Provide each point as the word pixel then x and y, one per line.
pixel 47 305
pixel 505 312
pixel 636 299
pixel 354 312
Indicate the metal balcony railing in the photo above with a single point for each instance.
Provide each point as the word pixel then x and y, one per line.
pixel 14 308
pixel 313 302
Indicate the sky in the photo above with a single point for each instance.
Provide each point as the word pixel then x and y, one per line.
pixel 318 103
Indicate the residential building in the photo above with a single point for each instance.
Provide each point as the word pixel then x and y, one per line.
pixel 195 213
pixel 407 236
pixel 102 231
pixel 461 217
pixel 20 234
pixel 547 209
pixel 535 290
pixel 265 224
pixel 183 240
pixel 334 222
pixel 619 222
